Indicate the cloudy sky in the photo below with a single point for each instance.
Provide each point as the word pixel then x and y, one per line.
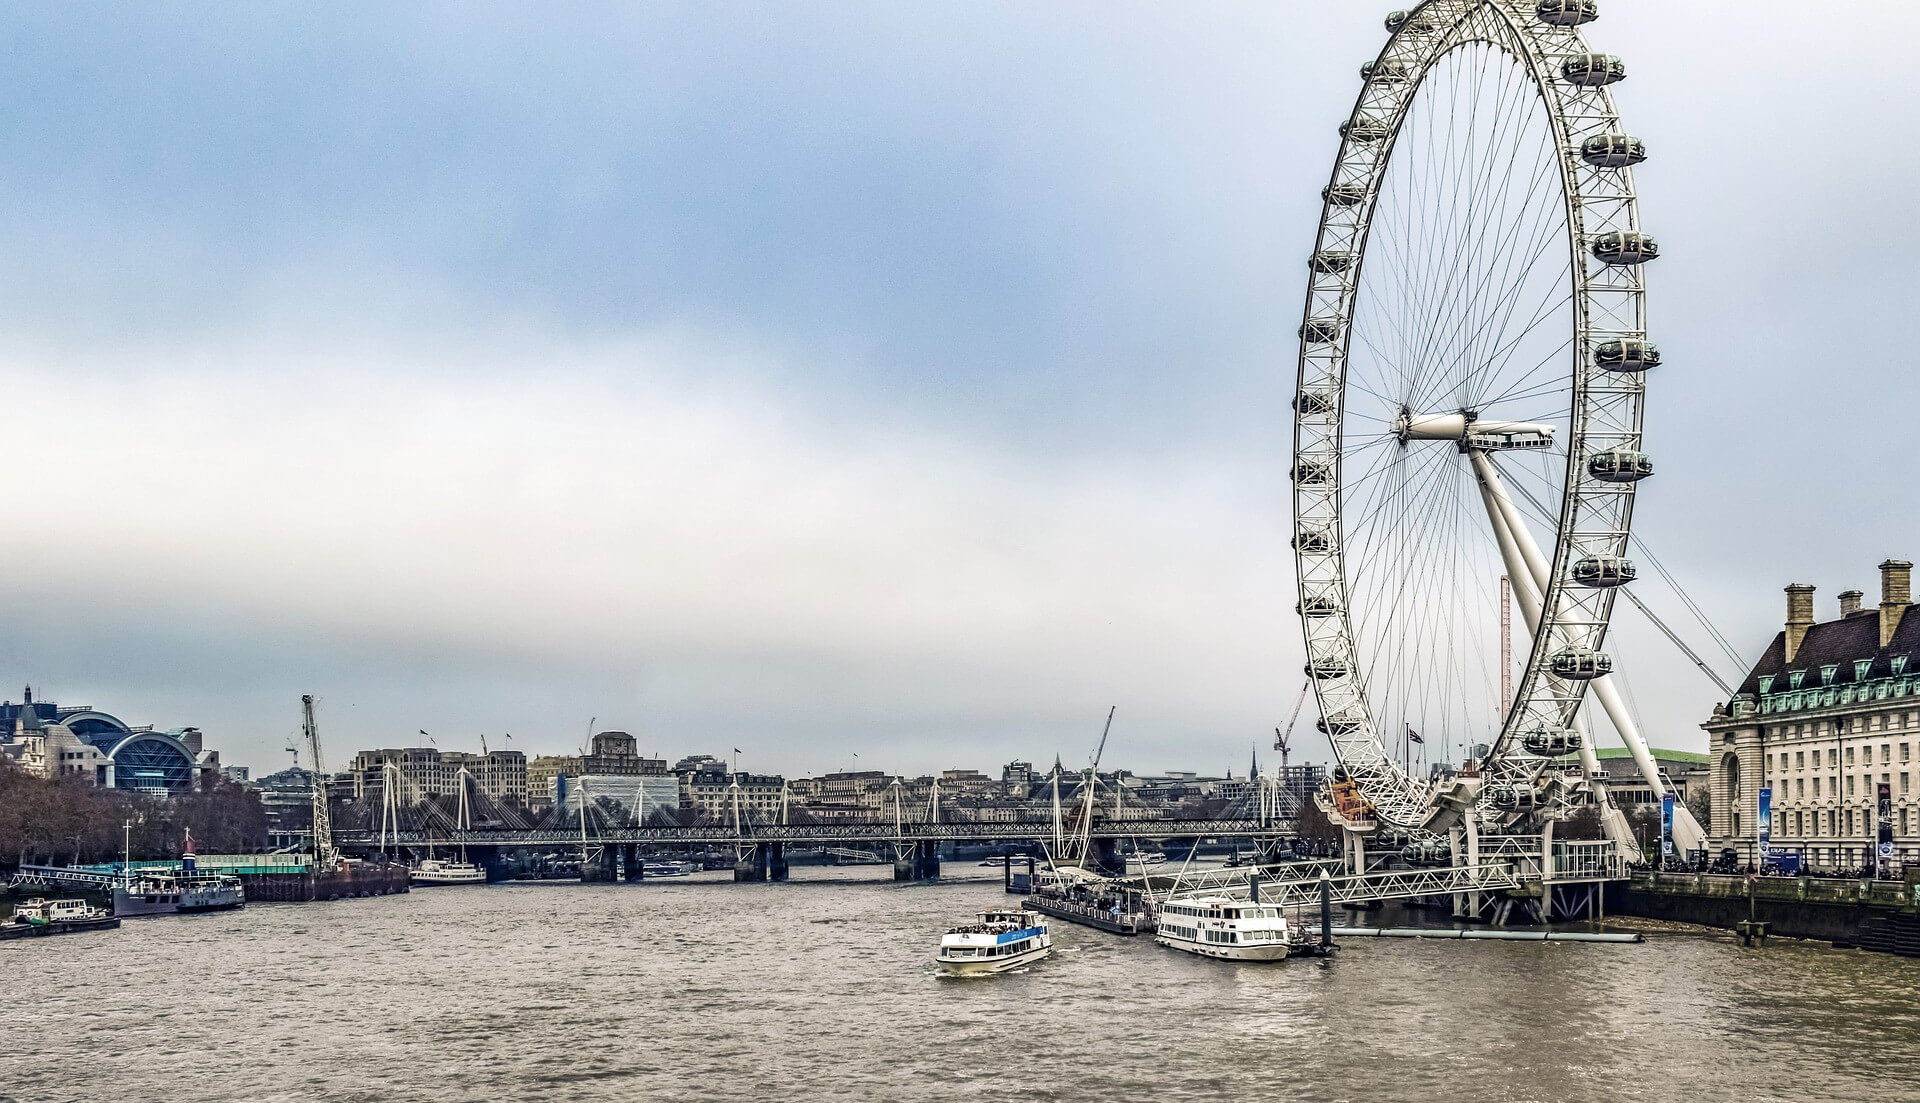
pixel 905 381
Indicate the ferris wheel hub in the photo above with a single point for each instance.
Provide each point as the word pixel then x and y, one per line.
pixel 1472 432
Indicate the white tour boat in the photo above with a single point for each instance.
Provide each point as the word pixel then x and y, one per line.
pixel 1003 939
pixel 433 871
pixel 670 869
pixel 1222 927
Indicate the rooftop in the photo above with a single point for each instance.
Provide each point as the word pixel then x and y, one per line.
pixel 1694 757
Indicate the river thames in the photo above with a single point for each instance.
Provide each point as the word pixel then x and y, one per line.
pixel 823 988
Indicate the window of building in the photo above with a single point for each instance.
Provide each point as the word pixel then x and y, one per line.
pixel 1860 669
pixel 1795 677
pixel 1849 784
pixel 1816 788
pixel 1886 753
pixel 1766 683
pixel 1827 672
pixel 1903 751
pixel 1799 788
pixel 1816 760
pixel 1799 760
pixel 1899 663
pixel 1903 783
pixel 1849 756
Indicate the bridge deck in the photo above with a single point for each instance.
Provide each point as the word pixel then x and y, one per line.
pixel 822 833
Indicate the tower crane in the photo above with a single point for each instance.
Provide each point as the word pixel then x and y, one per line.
pixel 325 857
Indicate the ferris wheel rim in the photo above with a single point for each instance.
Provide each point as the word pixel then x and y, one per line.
pixel 1594 514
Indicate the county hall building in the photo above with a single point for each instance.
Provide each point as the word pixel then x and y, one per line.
pixel 1829 715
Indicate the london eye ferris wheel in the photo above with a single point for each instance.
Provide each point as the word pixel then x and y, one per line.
pixel 1473 358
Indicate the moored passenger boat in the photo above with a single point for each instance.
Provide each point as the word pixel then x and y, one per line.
pixel 1225 928
pixel 1003 939
pixel 433 871
pixel 165 892
pixel 40 917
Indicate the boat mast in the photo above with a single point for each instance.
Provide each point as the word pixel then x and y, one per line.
pixel 324 855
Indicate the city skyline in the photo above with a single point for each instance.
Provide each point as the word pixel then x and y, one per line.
pixel 891 381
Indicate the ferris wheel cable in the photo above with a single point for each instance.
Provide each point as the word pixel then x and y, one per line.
pixel 1467 331
pixel 1665 629
pixel 1470 242
pixel 1713 630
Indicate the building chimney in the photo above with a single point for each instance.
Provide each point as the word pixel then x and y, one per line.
pixel 1896 593
pixel 1799 616
pixel 1850 602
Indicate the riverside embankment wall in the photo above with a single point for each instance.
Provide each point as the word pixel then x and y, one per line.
pixel 1873 915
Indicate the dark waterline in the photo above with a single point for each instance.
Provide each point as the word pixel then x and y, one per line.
pixel 823 988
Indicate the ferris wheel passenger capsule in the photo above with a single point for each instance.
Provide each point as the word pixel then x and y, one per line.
pixel 1601 572
pixel 1331 262
pixel 1625 247
pixel 1510 798
pixel 1321 670
pixel 1619 465
pixel 1425 853
pixel 1312 473
pixel 1613 151
pixel 1316 607
pixel 1626 355
pixel 1313 541
pixel 1550 742
pixel 1593 70
pixel 1567 13
pixel 1385 72
pixel 1580 664
pixel 1319 331
pixel 1344 195
pixel 1312 402
pixel 1338 725
pixel 1398 21
pixel 1364 129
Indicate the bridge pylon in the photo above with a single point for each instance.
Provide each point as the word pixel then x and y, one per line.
pixel 917 861
pixel 760 862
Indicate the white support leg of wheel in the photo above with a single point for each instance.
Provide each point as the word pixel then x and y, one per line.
pixel 1528 569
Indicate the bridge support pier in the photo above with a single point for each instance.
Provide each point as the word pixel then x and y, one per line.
pixel 761 862
pixel 1105 859
pixel 598 866
pixel 917 862
pixel 632 866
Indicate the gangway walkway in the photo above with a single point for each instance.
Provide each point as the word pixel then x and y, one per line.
pixel 1399 884
pixel 66 875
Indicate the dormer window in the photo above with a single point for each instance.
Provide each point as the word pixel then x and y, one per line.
pixel 1766 683
pixel 1860 668
pixel 1795 677
pixel 1899 663
pixel 1827 672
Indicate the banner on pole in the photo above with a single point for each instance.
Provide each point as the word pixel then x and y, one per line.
pixel 1764 850
pixel 1666 826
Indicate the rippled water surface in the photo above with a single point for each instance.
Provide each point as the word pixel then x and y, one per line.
pixel 823 988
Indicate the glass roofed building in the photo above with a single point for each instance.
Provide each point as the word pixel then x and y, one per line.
pixel 49 740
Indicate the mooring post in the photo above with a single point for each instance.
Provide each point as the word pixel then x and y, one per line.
pixel 1326 910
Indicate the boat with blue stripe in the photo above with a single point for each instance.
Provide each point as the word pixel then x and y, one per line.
pixel 1003 939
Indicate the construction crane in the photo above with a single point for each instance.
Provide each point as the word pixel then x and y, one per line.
pixel 325 857
pixel 1282 738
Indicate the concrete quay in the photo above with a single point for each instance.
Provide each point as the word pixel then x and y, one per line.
pixel 1882 916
